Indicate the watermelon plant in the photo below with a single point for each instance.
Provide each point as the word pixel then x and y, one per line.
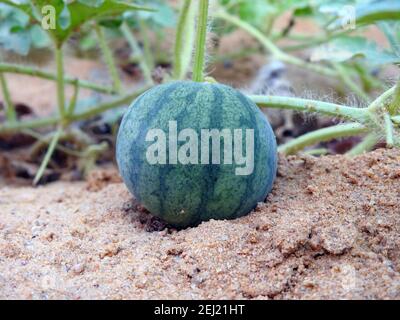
pixel 344 55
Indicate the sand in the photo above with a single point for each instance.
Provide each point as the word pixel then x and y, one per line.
pixel 330 229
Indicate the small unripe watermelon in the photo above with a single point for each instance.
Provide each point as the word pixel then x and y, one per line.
pixel 167 152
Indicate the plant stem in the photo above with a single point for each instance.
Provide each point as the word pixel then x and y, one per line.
pixel 72 103
pixel 135 48
pixel 317 152
pixel 345 76
pixel 271 47
pixel 311 41
pixel 366 145
pixel 29 124
pixel 380 101
pixel 25 70
pixel 45 141
pixel 148 54
pixel 394 107
pixel 396 119
pixel 201 38
pixel 184 40
pixel 305 105
pixel 60 81
pixel 325 134
pixel 47 156
pixel 389 130
pixel 44 122
pixel 9 106
pixel 108 105
pixel 109 60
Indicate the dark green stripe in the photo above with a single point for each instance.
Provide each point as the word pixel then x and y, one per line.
pixel 250 123
pixel 211 171
pixel 164 170
pixel 137 161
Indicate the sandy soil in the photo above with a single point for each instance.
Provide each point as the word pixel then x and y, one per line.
pixel 330 229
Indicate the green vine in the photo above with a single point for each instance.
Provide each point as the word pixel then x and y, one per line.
pixel 108 57
pixel 184 40
pixel 10 109
pixel 201 38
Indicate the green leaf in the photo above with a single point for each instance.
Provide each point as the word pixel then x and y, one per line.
pixel 72 15
pixel 14 33
pixel 39 37
pixel 25 6
pixel 92 3
pixel 346 47
pixel 391 29
pixel 374 11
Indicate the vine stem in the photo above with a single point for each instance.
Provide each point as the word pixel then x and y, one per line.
pixel 395 105
pixel 44 122
pixel 201 38
pixel 184 40
pixel 148 54
pixel 271 47
pixel 396 119
pixel 48 155
pixel 389 130
pixel 9 106
pixel 325 134
pixel 60 81
pixel 346 77
pixel 72 103
pixel 366 145
pixel 125 99
pixel 380 101
pixel 25 70
pixel 135 48
pixel 305 105
pixel 108 57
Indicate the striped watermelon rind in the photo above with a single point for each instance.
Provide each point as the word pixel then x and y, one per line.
pixel 185 195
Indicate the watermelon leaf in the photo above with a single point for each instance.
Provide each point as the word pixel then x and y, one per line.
pixel 368 13
pixel 71 16
pixel 346 47
pixel 17 34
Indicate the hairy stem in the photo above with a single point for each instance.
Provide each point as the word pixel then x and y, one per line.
pixel 306 105
pixel 271 47
pixel 72 103
pixel 11 115
pixel 394 107
pixel 381 100
pixel 135 48
pixel 325 134
pixel 366 145
pixel 25 70
pixel 311 41
pixel 44 140
pixel 45 122
pixel 396 119
pixel 184 40
pixel 148 54
pixel 389 130
pixel 28 124
pixel 201 38
pixel 346 77
pixel 109 59
pixel 108 105
pixel 60 81
pixel 47 156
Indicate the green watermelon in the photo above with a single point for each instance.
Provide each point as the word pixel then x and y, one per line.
pixel 190 152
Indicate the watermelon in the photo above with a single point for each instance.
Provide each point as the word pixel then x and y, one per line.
pixel 190 152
